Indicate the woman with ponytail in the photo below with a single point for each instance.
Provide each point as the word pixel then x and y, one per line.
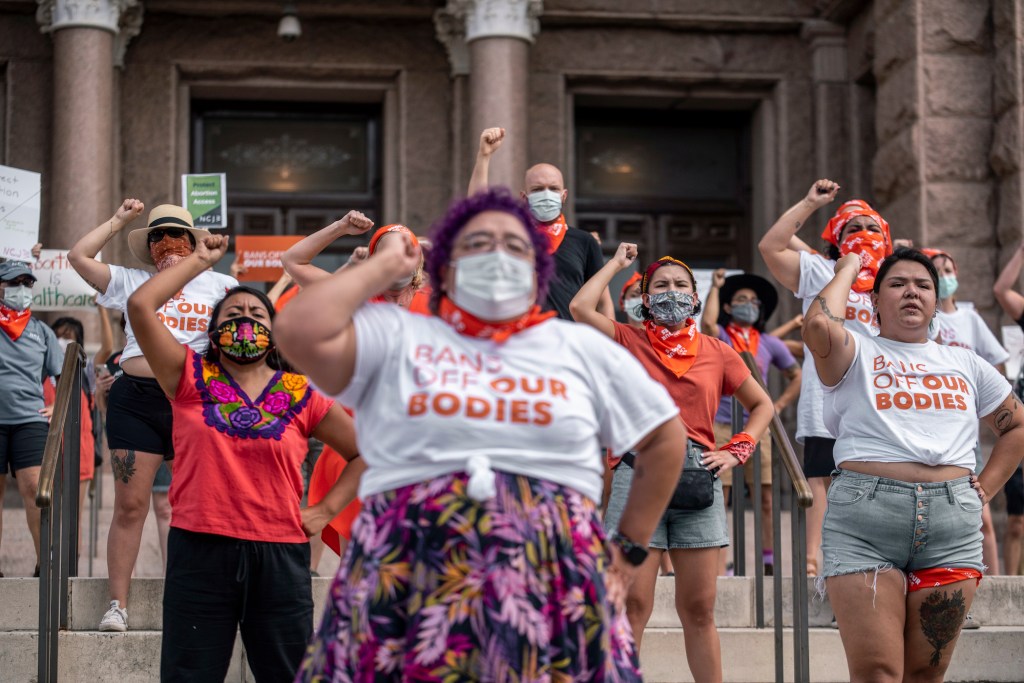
pixel 238 555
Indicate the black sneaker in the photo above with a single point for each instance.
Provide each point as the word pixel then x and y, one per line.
pixel 769 569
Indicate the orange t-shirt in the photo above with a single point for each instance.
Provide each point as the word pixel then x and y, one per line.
pixel 86 440
pixel 326 472
pixel 718 371
pixel 287 296
pixel 237 461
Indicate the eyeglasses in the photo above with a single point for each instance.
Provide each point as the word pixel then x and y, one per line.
pixel 745 300
pixel 21 281
pixel 485 241
pixel 157 234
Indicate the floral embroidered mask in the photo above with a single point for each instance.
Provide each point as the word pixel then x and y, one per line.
pixel 243 340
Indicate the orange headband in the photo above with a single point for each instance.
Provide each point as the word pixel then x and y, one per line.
pixel 633 279
pixel 664 261
pixel 933 253
pixel 394 227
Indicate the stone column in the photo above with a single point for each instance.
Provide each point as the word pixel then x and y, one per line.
pixel 831 97
pixel 932 177
pixel 85 45
pixel 1008 104
pixel 498 34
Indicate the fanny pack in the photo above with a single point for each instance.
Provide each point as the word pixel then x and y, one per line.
pixel 695 489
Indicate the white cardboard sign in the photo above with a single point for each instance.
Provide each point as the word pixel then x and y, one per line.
pixel 19 213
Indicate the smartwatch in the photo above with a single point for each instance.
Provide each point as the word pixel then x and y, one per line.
pixel 634 554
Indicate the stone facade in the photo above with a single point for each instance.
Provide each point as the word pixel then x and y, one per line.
pixel 915 105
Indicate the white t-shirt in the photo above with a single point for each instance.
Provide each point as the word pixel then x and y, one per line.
pixel 903 402
pixel 186 315
pixel 543 404
pixel 815 272
pixel 967 329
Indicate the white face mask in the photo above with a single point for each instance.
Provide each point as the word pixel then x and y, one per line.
pixel 399 285
pixel 19 298
pixel 631 306
pixel 545 205
pixel 493 286
pixel 64 344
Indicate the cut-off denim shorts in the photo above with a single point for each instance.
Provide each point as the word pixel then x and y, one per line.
pixel 874 524
pixel 685 529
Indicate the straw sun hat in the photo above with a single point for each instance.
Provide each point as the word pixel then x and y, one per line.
pixel 163 216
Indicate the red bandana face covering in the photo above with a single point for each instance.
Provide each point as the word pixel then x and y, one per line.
pixel 744 338
pixel 471 326
pixel 556 230
pixel 871 248
pixel 170 250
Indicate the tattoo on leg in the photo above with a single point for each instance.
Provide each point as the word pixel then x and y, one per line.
pixel 942 615
pixel 124 467
pixel 1004 417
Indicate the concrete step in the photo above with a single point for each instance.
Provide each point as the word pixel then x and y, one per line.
pixel 990 654
pixel 999 602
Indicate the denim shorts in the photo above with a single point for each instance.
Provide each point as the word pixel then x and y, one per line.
pixel 686 529
pixel 874 523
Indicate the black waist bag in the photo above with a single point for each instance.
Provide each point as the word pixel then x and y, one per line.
pixel 695 489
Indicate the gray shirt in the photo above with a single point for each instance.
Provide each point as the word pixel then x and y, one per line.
pixel 24 364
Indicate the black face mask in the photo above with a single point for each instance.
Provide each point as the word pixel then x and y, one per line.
pixel 243 340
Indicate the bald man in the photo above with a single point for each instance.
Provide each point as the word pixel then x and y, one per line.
pixel 577 254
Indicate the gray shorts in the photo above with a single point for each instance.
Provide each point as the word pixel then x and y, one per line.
pixel 874 523
pixel 677 528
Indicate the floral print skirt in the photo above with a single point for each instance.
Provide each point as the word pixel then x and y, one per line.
pixel 436 586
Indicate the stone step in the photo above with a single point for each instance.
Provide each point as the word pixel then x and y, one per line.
pixel 990 654
pixel 999 602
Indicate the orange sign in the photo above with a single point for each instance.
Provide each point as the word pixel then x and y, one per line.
pixel 259 258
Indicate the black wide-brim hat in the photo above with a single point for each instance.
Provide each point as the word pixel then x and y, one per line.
pixel 763 288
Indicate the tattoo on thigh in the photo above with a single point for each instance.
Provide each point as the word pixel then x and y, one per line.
pixel 124 467
pixel 942 615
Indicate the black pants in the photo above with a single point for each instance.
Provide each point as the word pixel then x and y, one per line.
pixel 216 585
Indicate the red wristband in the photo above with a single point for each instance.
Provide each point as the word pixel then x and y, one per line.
pixel 742 446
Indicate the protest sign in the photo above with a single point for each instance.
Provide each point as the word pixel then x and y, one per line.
pixel 260 257
pixel 58 287
pixel 205 197
pixel 702 278
pixel 19 213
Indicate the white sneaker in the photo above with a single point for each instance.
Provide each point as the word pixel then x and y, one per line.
pixel 970 623
pixel 116 618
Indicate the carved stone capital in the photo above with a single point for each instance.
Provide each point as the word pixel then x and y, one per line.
pixel 451 32
pixel 498 18
pixel 828 50
pixel 123 18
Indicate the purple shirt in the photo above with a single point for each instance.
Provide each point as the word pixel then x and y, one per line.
pixel 770 351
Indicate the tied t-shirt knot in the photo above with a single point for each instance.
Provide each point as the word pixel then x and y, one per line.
pixel 481 478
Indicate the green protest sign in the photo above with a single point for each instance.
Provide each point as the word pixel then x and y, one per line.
pixel 205 197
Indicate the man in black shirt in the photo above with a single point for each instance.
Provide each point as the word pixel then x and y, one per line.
pixel 577 254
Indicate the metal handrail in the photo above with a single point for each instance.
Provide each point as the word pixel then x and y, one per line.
pixel 786 461
pixel 796 473
pixel 57 499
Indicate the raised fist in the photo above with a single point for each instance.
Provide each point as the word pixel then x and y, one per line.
pixel 490 141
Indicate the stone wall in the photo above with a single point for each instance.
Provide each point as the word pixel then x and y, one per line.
pixel 1007 156
pixel 933 179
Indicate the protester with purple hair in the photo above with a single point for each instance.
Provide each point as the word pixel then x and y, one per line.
pixel 479 553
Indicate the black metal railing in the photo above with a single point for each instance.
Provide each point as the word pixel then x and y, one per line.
pixel 57 499
pixel 784 461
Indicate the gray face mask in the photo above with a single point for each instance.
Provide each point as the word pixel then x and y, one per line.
pixel 19 298
pixel 746 312
pixel 671 308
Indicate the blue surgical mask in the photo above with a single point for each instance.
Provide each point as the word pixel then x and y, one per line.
pixel 19 298
pixel 746 312
pixel 545 205
pixel 671 308
pixel 947 286
pixel 632 308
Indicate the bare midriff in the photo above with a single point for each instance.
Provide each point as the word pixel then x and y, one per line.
pixel 911 472
pixel 137 366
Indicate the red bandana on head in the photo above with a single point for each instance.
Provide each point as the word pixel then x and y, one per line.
pixel 633 279
pixel 555 230
pixel 13 322
pixel 469 325
pixel 872 247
